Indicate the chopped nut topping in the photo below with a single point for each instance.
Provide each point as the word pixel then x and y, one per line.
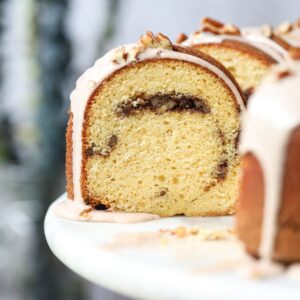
pixel 215 235
pixel 201 233
pixel 181 38
pixel 159 41
pixel 194 230
pixel 216 27
pixel 231 30
pixel 164 41
pixel 267 30
pixel 180 231
pixel 212 22
pixel 149 39
pixel 284 28
pixel 120 56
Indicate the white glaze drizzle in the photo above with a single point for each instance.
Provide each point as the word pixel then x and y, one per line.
pixel 104 67
pixel 76 212
pixel 273 113
pixel 255 38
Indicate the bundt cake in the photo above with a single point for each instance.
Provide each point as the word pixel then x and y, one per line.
pixel 268 207
pixel 154 128
pixel 247 54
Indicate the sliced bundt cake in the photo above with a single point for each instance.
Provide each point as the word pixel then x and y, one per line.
pixel 269 201
pixel 154 128
pixel 247 54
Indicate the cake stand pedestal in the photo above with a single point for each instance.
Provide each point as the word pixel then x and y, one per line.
pixel 138 261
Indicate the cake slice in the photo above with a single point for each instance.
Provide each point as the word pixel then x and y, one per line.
pixel 247 54
pixel 154 128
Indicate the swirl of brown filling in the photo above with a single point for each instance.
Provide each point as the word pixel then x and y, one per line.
pixel 162 103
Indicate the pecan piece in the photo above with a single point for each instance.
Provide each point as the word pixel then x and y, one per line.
pixel 216 27
pixel 266 30
pixel 181 38
pixel 284 28
pixel 212 22
pixel 120 56
pixel 159 41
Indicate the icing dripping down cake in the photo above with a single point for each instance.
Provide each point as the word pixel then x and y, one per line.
pixel 268 209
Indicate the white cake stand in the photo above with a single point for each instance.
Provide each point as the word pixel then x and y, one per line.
pixel 162 271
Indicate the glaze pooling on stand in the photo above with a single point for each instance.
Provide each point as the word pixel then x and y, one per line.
pixel 273 114
pixel 76 212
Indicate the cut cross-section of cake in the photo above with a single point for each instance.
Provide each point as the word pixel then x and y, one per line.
pixel 246 53
pixel 154 128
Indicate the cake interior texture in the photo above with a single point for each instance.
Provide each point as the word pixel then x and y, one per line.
pixel 247 64
pixel 160 136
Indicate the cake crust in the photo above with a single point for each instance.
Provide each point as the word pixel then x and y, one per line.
pixel 69 158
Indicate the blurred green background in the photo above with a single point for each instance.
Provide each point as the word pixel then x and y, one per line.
pixel 44 46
